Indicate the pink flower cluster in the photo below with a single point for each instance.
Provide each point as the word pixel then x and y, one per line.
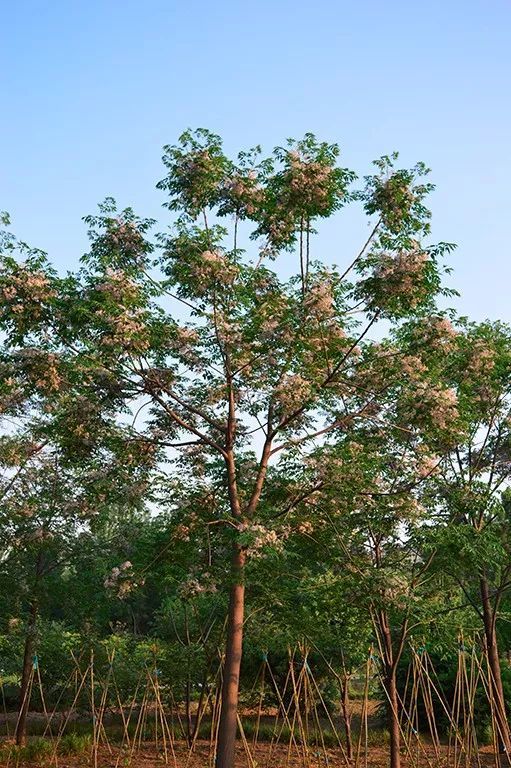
pixel 309 183
pixel 42 368
pixel 245 194
pixel 126 330
pixel 481 358
pixel 121 580
pixel 436 334
pixel 320 298
pixel 427 465
pixel 401 276
pixel 196 584
pixel 125 236
pixel 260 538
pixel 26 290
pixel 212 269
pixel 118 286
pixel 412 366
pixel 291 392
pixel 306 191
pixel 433 406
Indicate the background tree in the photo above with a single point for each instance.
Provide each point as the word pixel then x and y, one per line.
pixel 469 497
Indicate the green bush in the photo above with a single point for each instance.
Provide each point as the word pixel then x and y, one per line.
pixel 75 744
pixel 35 750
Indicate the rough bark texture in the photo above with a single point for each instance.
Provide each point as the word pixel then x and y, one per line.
pixel 231 671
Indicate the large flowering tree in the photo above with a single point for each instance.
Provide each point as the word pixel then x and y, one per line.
pixel 221 366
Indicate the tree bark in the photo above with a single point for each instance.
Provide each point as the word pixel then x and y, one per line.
pixel 393 719
pixel 28 661
pixel 390 661
pixel 231 671
pixel 496 688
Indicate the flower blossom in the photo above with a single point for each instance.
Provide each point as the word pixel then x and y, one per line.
pixel 309 182
pixel 320 298
pixel 121 580
pixel 257 538
pixel 126 330
pixel 434 406
pixel 212 267
pixel 292 391
pixel 197 585
pixel 118 286
pixel 398 280
pixel 24 293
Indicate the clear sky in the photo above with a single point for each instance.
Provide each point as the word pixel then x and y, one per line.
pixel 92 89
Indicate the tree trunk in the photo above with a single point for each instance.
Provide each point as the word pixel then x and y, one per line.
pixel 188 711
pixel 231 671
pixel 346 715
pixel 393 719
pixel 390 661
pixel 28 661
pixel 496 688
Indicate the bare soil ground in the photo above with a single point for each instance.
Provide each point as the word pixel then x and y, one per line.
pixel 262 756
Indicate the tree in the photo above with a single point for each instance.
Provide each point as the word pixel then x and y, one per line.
pixel 232 366
pixel 64 459
pixel 469 496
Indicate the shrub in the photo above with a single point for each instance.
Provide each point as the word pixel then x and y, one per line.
pixel 75 744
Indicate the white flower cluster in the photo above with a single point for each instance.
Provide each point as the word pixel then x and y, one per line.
pixel 259 538
pixel 121 580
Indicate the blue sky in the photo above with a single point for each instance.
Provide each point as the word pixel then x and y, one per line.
pixel 92 90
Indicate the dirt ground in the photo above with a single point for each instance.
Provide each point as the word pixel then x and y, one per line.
pixel 262 756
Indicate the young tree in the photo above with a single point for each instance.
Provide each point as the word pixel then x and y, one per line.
pixel 468 498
